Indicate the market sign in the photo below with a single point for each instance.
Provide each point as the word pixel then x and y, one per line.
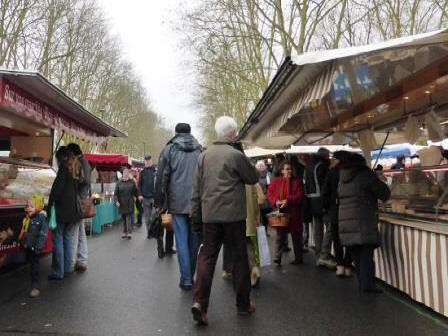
pixel 25 105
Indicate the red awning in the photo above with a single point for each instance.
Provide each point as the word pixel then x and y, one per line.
pixel 108 161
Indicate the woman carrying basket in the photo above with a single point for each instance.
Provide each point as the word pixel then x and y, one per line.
pixel 286 194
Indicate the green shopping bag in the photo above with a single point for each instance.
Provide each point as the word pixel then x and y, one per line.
pixel 52 223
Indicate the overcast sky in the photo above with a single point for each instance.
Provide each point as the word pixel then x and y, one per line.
pixel 151 44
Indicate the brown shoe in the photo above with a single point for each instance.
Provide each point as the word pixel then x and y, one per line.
pixel 34 293
pixel 251 309
pixel 80 268
pixel 198 315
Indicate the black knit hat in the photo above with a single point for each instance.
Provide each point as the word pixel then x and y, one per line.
pixel 182 128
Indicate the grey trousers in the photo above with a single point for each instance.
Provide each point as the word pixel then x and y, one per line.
pixel 80 252
pixel 148 205
pixel 322 237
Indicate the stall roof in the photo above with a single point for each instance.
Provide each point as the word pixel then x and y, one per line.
pixel 50 94
pixel 305 75
pixel 104 161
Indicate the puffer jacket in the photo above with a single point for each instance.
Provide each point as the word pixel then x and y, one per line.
pixel 219 193
pixel 177 163
pixel 359 190
pixel 36 236
pixel 125 192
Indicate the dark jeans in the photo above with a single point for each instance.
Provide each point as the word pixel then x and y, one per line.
pixel 342 255
pixel 281 240
pixel 365 266
pixel 127 223
pixel 33 259
pixel 169 240
pixel 214 235
pixel 139 206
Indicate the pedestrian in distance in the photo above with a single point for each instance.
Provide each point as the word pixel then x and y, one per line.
pixel 146 185
pixel 359 191
pixel 219 212
pixel 125 195
pixel 315 176
pixel 173 192
pixel 64 197
pixel 80 251
pixel 32 238
pixel 286 194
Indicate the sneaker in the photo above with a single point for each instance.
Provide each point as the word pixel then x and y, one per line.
pixel 249 310
pixel 34 293
pixel 328 263
pixel 340 270
pixel 198 315
pixel 124 236
pixel 226 275
pixel 80 268
pixel 129 236
pixel 255 277
pixel 348 272
pixel 186 287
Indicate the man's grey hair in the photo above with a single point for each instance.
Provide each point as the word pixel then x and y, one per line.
pixel 260 164
pixel 226 127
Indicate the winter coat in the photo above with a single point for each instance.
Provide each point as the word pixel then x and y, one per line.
pixel 330 199
pixel 315 175
pixel 177 163
pixel 295 197
pixel 84 185
pixel 64 197
pixel 254 199
pixel 36 236
pixel 125 192
pixel 219 194
pixel 359 191
pixel 146 182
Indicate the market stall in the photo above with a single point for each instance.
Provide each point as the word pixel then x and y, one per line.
pixel 32 111
pixel 104 178
pixel 369 97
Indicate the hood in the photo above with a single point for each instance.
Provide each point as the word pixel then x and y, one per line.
pixel 186 142
pixel 317 158
pixel 349 172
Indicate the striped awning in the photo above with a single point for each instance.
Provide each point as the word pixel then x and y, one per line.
pixel 312 93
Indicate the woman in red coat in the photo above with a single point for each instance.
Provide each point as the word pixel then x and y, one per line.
pixel 286 193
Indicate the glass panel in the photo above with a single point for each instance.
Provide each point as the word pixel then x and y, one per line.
pixel 419 192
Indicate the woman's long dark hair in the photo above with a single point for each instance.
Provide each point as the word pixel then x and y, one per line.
pixel 281 166
pixel 66 158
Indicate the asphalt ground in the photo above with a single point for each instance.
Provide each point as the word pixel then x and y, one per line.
pixel 127 290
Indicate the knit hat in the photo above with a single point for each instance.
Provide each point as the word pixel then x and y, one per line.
pixel 182 128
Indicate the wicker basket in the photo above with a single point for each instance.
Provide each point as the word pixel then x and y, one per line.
pixel 167 220
pixel 278 219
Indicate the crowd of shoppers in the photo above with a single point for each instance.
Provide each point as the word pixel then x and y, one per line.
pixel 218 197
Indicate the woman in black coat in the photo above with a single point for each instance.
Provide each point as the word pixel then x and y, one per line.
pixel 359 191
pixel 330 202
pixel 63 197
pixel 125 195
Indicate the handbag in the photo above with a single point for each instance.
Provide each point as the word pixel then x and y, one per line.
pixel 88 209
pixel 52 224
pixel 167 220
pixel 263 247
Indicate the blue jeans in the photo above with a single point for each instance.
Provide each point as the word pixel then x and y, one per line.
pixel 187 244
pixel 63 238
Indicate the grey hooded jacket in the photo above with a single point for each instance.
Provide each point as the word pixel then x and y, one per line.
pixel 177 163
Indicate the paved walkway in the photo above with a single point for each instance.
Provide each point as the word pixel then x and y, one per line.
pixel 129 291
